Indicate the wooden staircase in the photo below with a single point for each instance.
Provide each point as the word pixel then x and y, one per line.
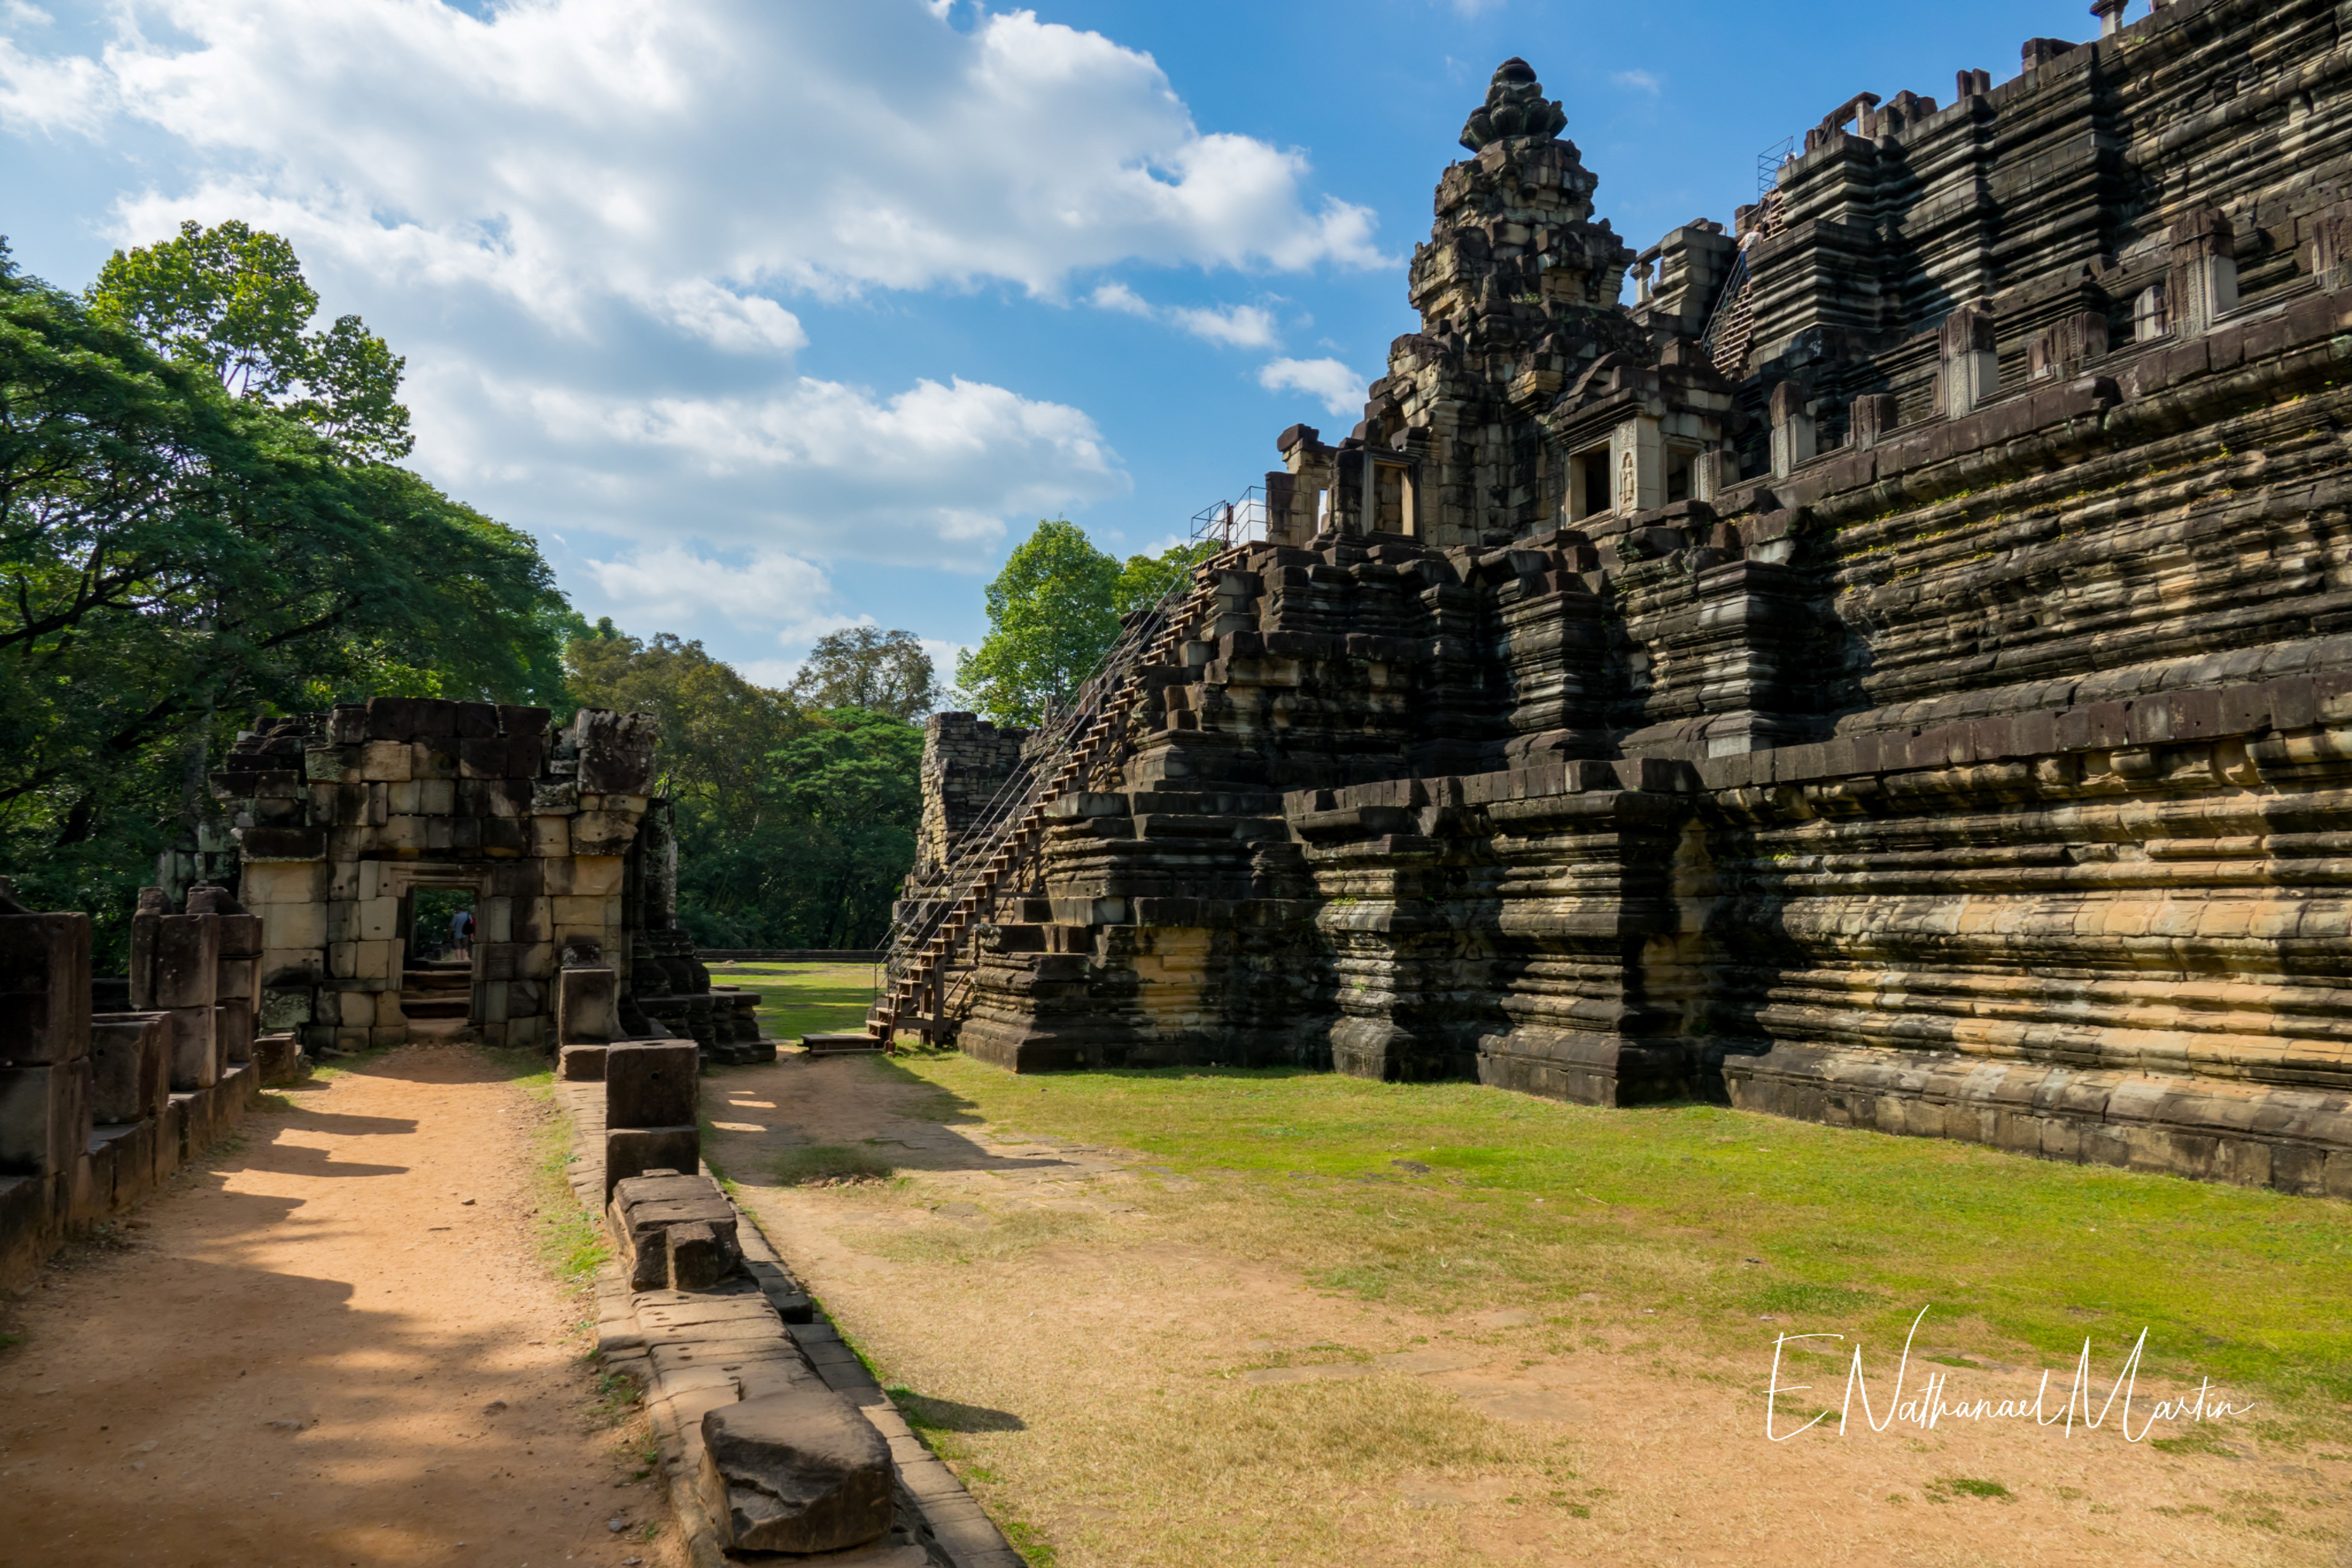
pixel 1001 848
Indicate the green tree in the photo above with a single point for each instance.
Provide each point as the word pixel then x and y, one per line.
pixel 864 667
pixel 175 557
pixel 795 826
pixel 717 729
pixel 1053 612
pixel 1051 616
pixel 1145 580
pixel 851 786
pixel 234 300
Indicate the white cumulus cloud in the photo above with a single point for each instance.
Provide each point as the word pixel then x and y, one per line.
pixel 1234 326
pixel 818 467
pixel 563 149
pixel 738 323
pixel 673 585
pixel 67 93
pixel 600 231
pixel 1341 389
pixel 1639 80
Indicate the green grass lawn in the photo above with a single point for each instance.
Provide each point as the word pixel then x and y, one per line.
pixel 1456 1197
pixel 798 999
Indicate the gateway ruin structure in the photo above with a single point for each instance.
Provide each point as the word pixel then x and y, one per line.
pixel 336 821
pixel 1896 672
pixel 300 936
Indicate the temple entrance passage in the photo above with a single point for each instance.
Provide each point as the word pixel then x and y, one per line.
pixel 436 978
pixel 335 1344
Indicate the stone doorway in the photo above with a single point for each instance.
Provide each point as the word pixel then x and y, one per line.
pixel 439 977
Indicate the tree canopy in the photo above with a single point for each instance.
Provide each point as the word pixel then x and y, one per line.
pixel 796 824
pixel 864 667
pixel 1053 612
pixel 177 554
pixel 234 300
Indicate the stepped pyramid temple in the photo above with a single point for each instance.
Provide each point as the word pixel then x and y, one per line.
pixel 1896 672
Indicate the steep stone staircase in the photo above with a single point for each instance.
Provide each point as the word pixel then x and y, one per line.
pixel 999 852
pixel 1731 331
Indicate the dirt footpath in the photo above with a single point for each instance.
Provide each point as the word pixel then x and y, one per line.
pixel 330 1344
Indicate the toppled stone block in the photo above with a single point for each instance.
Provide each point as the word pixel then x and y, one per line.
pixel 633 1150
pixel 650 1083
pixel 281 1059
pixel 697 1259
pixel 581 1064
pixel 646 1208
pixel 798 1471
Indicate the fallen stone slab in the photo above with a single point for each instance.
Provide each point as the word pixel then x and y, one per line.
pixel 695 1352
pixel 582 1064
pixel 799 1471
pixel 646 1208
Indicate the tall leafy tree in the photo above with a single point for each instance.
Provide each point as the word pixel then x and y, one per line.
pixel 717 729
pixel 175 555
pixel 234 300
pixel 865 667
pixel 1050 617
pixel 1053 612
pixel 795 825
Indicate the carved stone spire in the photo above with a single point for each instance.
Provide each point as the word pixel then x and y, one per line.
pixel 1514 106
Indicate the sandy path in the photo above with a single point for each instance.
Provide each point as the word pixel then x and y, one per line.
pixel 314 1350
pixel 1102 1366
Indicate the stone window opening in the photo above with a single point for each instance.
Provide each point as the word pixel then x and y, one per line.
pixel 1394 499
pixel 2149 320
pixel 1590 484
pixel 1679 460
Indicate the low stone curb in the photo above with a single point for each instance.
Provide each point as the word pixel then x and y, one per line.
pixel 693 1354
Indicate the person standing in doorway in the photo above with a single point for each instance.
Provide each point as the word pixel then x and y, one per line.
pixel 461 932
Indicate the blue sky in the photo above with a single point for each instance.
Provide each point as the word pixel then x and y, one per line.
pixel 771 316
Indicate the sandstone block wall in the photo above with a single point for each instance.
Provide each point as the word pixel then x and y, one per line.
pixel 107 1086
pixel 341 817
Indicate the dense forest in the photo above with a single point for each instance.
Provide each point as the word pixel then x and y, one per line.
pixel 203 518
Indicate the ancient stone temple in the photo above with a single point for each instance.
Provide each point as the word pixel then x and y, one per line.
pixel 1897 671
